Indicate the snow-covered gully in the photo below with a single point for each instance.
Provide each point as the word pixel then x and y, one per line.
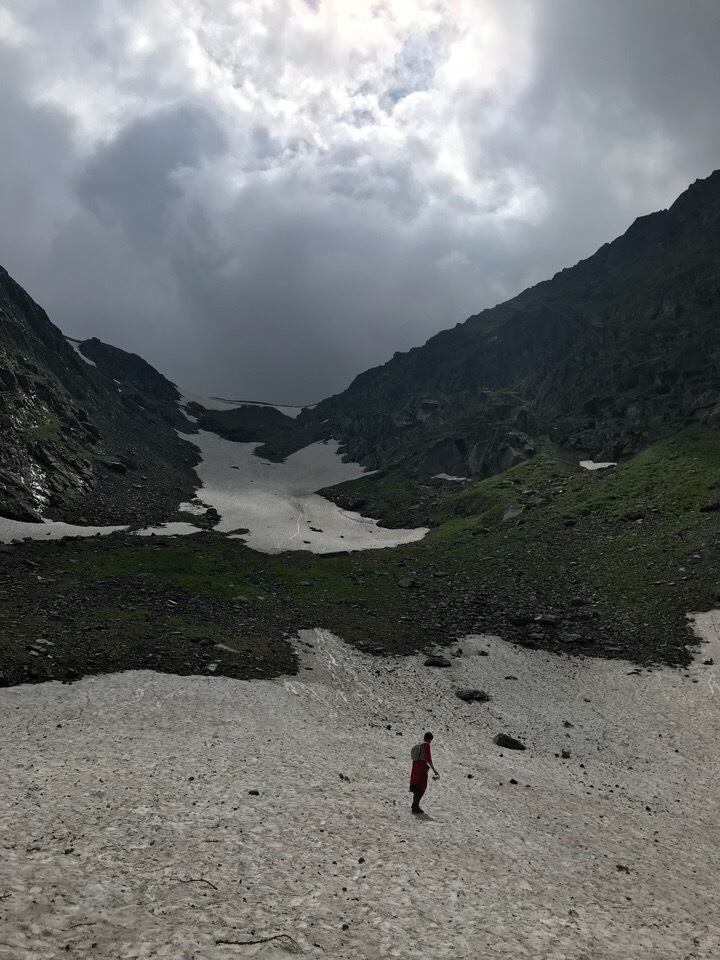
pixel 151 816
pixel 275 505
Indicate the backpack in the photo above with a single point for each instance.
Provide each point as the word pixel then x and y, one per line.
pixel 417 752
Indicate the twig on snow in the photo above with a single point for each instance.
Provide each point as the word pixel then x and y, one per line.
pixel 5 896
pixel 194 880
pixel 292 945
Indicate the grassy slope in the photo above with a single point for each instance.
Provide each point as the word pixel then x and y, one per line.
pixel 616 557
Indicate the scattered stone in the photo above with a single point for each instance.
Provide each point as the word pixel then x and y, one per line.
pixel 709 662
pixel 566 723
pixel 546 620
pixel 513 511
pixel 254 793
pixel 407 583
pixel 472 696
pixel 511 676
pixel 711 507
pixel 565 754
pixel 435 661
pixel 510 743
pixel 513 780
pixel 521 621
pixel 483 653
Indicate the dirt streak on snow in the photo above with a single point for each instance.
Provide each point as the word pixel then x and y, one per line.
pixel 128 830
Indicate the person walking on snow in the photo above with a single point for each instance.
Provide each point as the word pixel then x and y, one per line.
pixel 421 759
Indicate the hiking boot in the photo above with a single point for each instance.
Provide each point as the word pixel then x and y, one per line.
pixel 416 810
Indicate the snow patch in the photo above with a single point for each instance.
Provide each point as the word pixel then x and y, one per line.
pixel 130 829
pixel 218 403
pixel 446 476
pixel 194 507
pixel 75 344
pixel 47 530
pixel 591 465
pixel 277 501
pixel 176 528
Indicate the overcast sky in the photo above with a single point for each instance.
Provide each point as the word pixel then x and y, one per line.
pixel 266 197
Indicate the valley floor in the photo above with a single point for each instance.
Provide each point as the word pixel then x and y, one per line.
pixel 129 830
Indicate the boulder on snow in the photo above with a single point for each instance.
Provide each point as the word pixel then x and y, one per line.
pixel 435 661
pixel 472 696
pixel 510 743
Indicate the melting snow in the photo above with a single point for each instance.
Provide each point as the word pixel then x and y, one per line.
pixel 446 476
pixel 47 530
pixel 278 503
pixel 591 465
pixel 75 344
pixel 218 403
pixel 176 528
pixel 128 828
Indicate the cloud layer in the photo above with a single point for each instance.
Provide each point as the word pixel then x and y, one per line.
pixel 266 198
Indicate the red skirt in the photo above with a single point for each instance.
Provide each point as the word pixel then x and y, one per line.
pixel 419 775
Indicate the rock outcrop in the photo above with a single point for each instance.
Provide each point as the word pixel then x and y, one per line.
pixel 81 424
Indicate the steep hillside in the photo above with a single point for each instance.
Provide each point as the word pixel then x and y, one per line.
pixel 604 358
pixel 88 431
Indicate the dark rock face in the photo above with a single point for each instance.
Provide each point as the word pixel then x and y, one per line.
pixel 560 359
pixel 71 431
pixel 508 742
pixel 444 456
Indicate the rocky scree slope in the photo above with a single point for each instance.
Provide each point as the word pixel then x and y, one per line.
pixel 84 442
pixel 604 358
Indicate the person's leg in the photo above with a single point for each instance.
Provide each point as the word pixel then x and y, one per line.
pixel 417 793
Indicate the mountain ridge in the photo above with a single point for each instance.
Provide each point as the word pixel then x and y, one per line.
pixel 558 359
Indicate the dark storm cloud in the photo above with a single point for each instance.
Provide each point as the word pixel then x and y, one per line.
pixel 134 180
pixel 36 159
pixel 256 245
pixel 616 121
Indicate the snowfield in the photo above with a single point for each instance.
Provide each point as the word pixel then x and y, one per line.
pixel 277 502
pixel 128 829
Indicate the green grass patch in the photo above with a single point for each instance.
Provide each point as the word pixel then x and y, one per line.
pixel 47 429
pixel 206 572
